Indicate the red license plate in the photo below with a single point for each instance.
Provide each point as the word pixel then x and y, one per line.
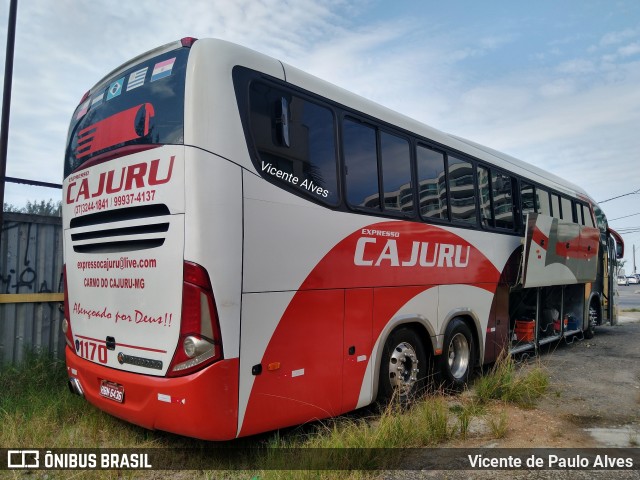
pixel 112 391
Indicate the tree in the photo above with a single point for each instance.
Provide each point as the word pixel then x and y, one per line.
pixel 49 209
pixel 620 267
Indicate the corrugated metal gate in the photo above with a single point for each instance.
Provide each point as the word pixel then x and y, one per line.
pixel 31 286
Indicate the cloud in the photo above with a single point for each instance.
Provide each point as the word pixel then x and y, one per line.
pixel 613 38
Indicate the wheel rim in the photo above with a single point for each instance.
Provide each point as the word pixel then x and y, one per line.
pixel 593 317
pixel 403 368
pixel 459 355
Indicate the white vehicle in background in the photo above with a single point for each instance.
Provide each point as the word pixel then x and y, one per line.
pixel 622 280
pixel 632 279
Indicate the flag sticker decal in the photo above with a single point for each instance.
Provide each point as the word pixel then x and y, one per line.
pixel 82 109
pixel 136 79
pixel 115 89
pixel 162 69
pixel 97 100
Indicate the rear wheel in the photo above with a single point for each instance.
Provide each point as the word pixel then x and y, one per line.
pixel 403 367
pixel 458 356
pixel 594 316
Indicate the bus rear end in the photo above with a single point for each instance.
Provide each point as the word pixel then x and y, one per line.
pixel 141 322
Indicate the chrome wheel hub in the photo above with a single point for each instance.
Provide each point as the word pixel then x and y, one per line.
pixel 403 368
pixel 458 355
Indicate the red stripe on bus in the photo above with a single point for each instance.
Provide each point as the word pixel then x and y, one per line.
pixel 394 262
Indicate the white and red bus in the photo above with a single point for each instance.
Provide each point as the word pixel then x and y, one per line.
pixel 248 247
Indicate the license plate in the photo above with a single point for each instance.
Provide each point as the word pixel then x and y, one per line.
pixel 112 391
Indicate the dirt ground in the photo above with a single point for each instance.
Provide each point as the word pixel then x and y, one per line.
pixel 593 399
pixel 593 402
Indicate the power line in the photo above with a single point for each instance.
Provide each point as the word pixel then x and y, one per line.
pixel 626 216
pixel 620 196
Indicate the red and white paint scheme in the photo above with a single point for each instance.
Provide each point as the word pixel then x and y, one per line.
pixel 222 279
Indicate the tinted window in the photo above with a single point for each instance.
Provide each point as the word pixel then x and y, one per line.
pixel 301 155
pixel 432 184
pixel 141 105
pixel 502 200
pixel 555 205
pixel 484 188
pixel 529 200
pixel 601 219
pixel 567 213
pixel 580 213
pixel 361 164
pixel 462 190
pixel 396 173
pixel 588 219
pixel 543 201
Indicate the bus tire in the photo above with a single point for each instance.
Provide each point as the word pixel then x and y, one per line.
pixel 592 321
pixel 458 355
pixel 403 367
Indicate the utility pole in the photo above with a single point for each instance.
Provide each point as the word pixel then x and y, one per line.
pixel 6 102
pixel 634 259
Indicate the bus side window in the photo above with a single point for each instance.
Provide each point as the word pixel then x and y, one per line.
pixel 432 183
pixel 361 164
pixel 528 200
pixel 567 211
pixel 555 205
pixel 580 213
pixel 601 219
pixel 502 195
pixel 484 188
pixel 462 190
pixel 295 140
pixel 395 157
pixel 588 217
pixel 543 201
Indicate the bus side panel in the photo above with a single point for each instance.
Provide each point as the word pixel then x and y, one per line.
pixel 213 235
pixel 299 377
pixel 358 318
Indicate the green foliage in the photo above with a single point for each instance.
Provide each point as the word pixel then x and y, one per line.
pixel 499 425
pixel 49 208
pixel 37 411
pixel 507 382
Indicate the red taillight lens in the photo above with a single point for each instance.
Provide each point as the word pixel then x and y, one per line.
pixel 66 321
pixel 188 41
pixel 84 97
pixel 200 341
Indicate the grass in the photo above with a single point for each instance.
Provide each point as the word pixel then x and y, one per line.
pixel 37 411
pixel 508 383
pixel 499 425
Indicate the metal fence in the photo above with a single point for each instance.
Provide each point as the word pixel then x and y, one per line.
pixel 31 286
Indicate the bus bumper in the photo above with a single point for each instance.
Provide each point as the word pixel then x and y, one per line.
pixel 201 405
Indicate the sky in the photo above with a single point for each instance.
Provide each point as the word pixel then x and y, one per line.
pixel 556 84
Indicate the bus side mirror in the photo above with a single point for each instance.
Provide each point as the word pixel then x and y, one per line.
pixel 619 250
pixel 282 122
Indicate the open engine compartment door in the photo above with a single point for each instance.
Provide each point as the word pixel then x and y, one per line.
pixel 558 252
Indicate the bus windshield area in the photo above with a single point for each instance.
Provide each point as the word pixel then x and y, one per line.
pixel 142 105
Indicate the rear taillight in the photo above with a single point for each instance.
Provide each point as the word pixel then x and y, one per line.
pixel 188 41
pixel 200 342
pixel 66 322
